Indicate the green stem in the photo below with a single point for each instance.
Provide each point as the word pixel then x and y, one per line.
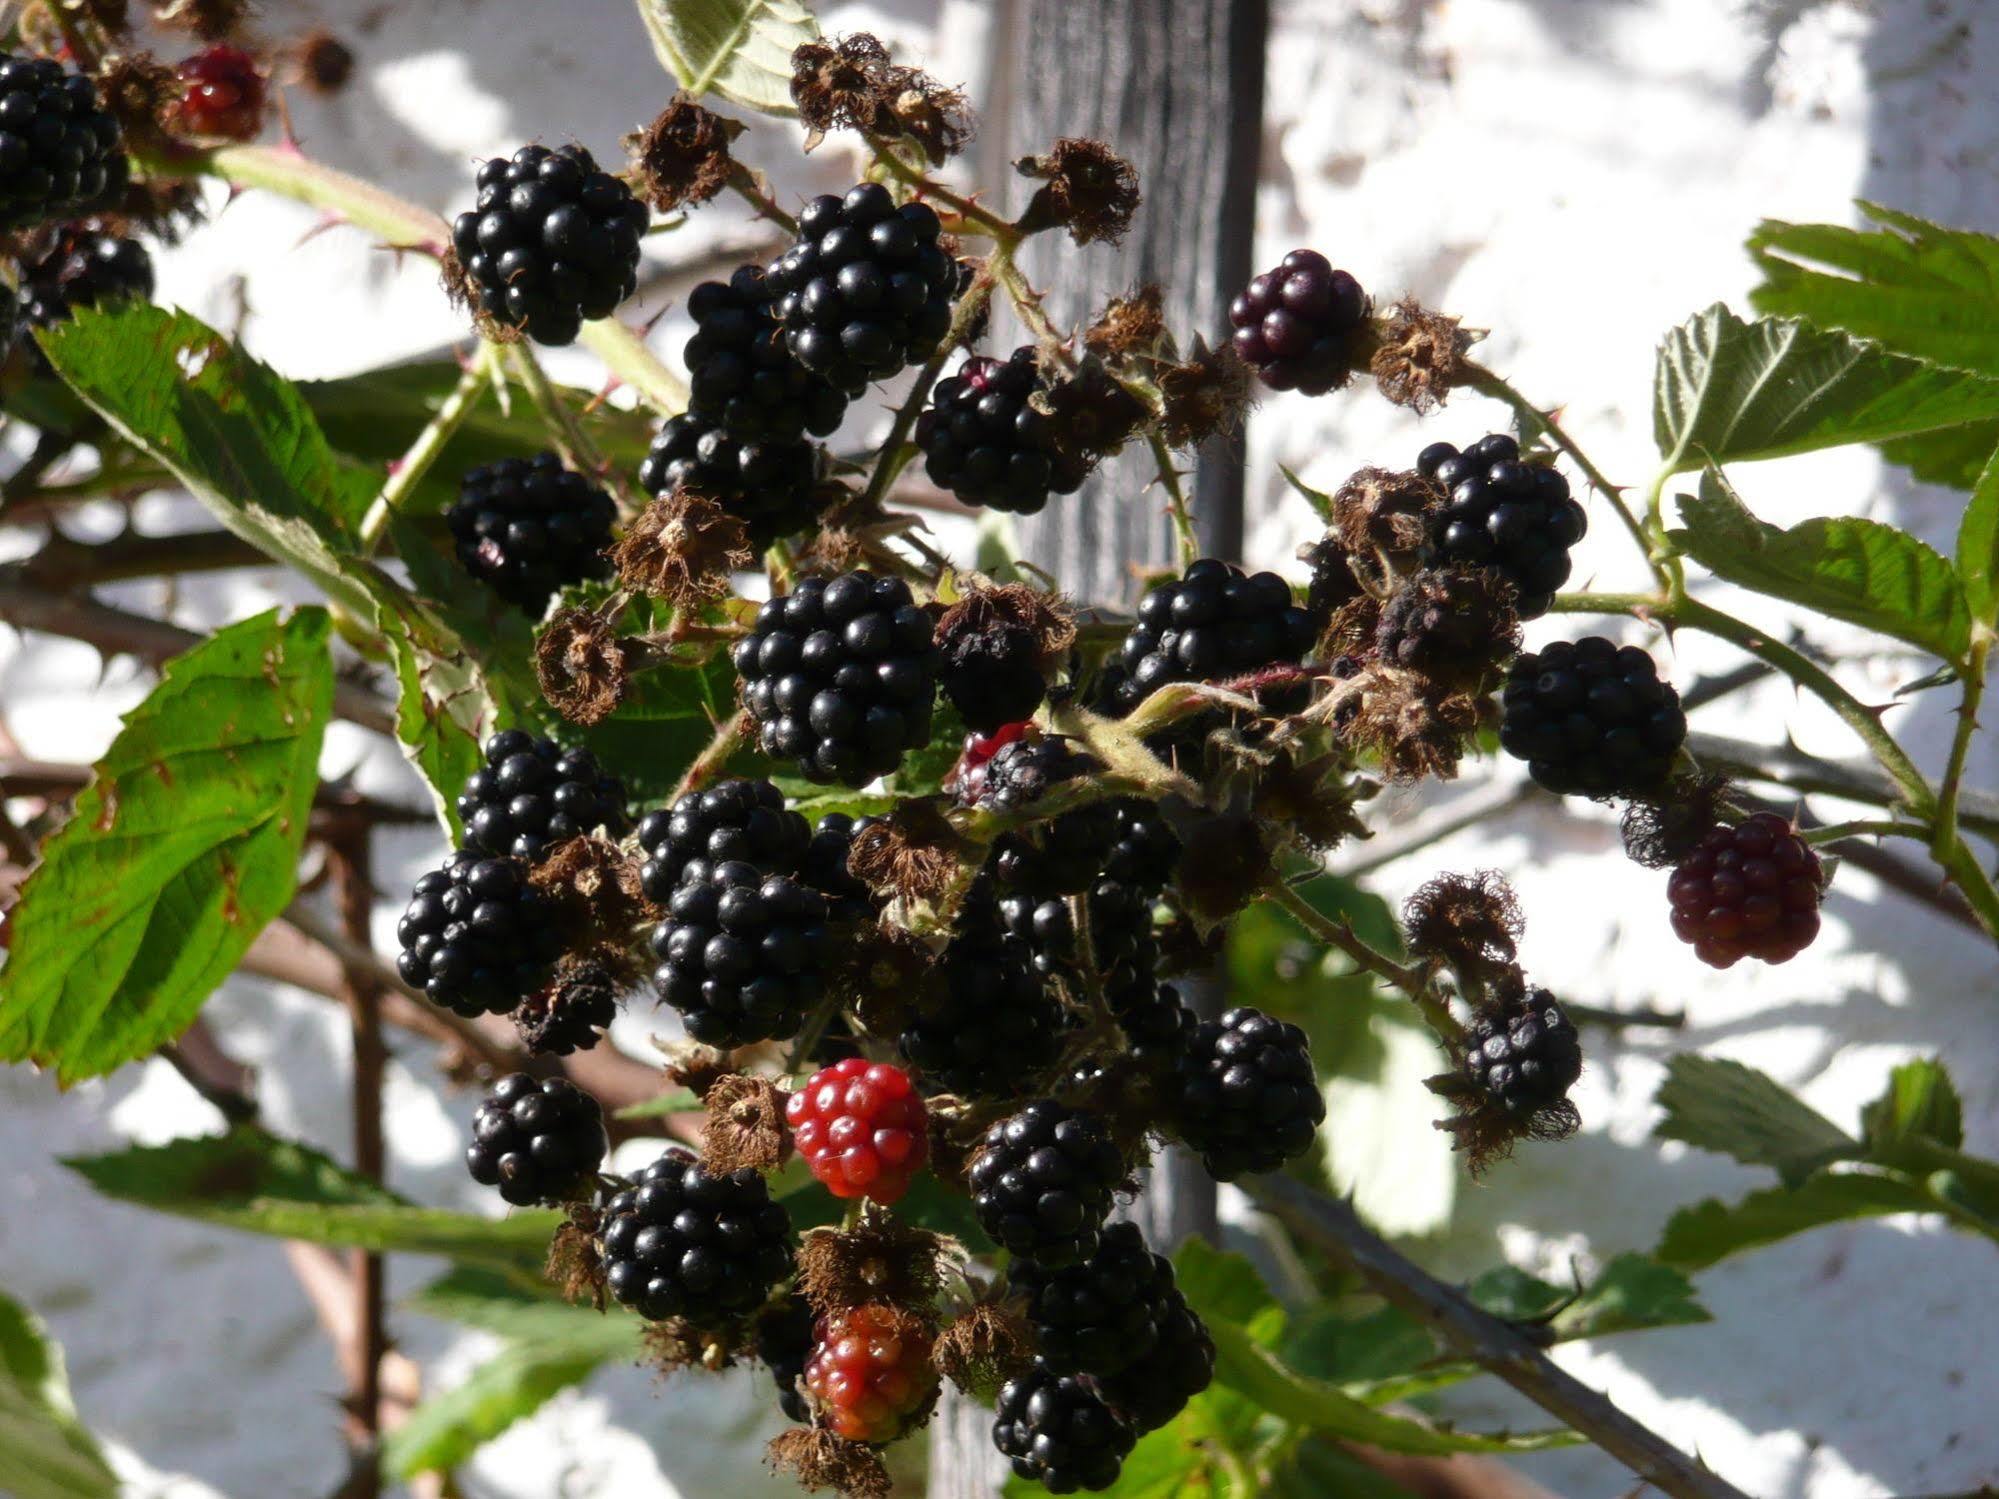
pixel 277 169
pixel 578 451
pixel 888 464
pixel 1864 827
pixel 1176 499
pixel 1412 982
pixel 1960 747
pixel 628 357
pixel 431 441
pixel 1000 230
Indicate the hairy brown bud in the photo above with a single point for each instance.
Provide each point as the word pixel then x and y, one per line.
pixel 1470 922
pixel 854 84
pixel 1133 325
pixel 913 853
pixel 1207 395
pixel 879 1260
pixel 682 158
pixel 984 1346
pixel 1415 727
pixel 583 667
pixel 593 886
pixel 820 1460
pixel 1421 357
pixel 575 1266
pixel 1382 518
pixel 1086 188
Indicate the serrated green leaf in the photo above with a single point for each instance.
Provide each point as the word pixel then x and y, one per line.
pixel 1953 458
pixel 1921 1103
pixel 740 49
pixel 1737 1111
pixel 1978 544
pixel 1710 1231
pixel 45 1452
pixel 184 844
pixel 1631 1293
pixel 1318 499
pixel 1861 571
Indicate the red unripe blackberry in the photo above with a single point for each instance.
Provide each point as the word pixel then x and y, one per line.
pixel 684 1241
pixel 1591 718
pixel 1244 1094
pixel 524 527
pixel 1516 518
pixel 1526 1055
pixel 1042 1182
pixel 732 819
pixel 532 793
pixel 1059 1432
pixel 222 95
pixel 536 1139
pixel 984 441
pixel 862 1128
pixel 968 778
pixel 870 1373
pixel 1750 891
pixel 1297 325
pixel 61 152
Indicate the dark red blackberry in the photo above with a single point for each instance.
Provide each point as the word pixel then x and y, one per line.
pixel 60 150
pixel 1750 891
pixel 1300 326
pixel 222 95
pixel 551 242
pixel 536 1139
pixel 1058 1431
pixel 476 938
pixel 1244 1094
pixel 744 820
pixel 1155 1390
pixel 866 289
pixel 870 1372
pixel 840 676
pixel 740 953
pixel 1591 719
pixel 1525 1054
pixel 1516 518
pixel 1103 1314
pixel 741 376
pixel 784 1343
pixel 532 793
pixel 985 441
pixel 84 268
pixel 1042 1182
pixel 988 1026
pixel 526 526
pixel 766 483
pixel 993 676
pixel 686 1242
pixel 1215 623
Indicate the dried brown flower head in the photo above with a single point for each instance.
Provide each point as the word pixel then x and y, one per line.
pixel 584 668
pixel 1471 923
pixel 1416 728
pixel 1311 801
pixel 984 1346
pixel 880 1259
pixel 575 1265
pixel 1382 518
pixel 682 549
pixel 913 853
pixel 678 1344
pixel 745 1124
pixel 1090 413
pixel 1421 357
pixel 1133 325
pixel 695 1067
pixel 682 158
pixel 1207 395
pixel 854 84
pixel 1456 626
pixel 1086 188
pixel 1662 829
pixel 1486 1125
pixel 141 93
pixel 820 1460
pixel 593 886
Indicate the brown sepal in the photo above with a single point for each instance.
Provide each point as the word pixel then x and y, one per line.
pixel 745 1125
pixel 984 1346
pixel 1472 923
pixel 678 1344
pixel 1207 395
pixel 878 1260
pixel 682 549
pixel 1086 188
pixel 820 1460
pixel 1311 801
pixel 1384 514
pixel 682 158
pixel 854 84
pixel 695 1067
pixel 1486 1131
pixel 1421 356
pixel 1416 727
pixel 575 1265
pixel 594 886
pixel 1130 326
pixel 1090 414
pixel 583 666
pixel 913 853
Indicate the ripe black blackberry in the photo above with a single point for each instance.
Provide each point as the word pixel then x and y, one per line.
pixel 1042 1182
pixel 1024 770
pixel 1244 1094
pixel 1516 518
pixel 1215 623
pixel 1333 582
pixel 784 1343
pixel 1155 1390
pixel 1103 1314
pixel 1158 1026
pixel 532 793
pixel 1058 1431
pixel 988 1025
pixel 993 676
pixel 526 526
pixel 739 372
pixel 60 150
pixel 551 242
pixel 734 819
pixel 1299 325
pixel 841 676
pixel 476 938
pixel 767 483
pixel 84 268
pixel 740 953
pixel 866 289
pixel 1120 920
pixel 1525 1055
pixel 1591 718
pixel 984 441
pixel 1455 626
pixel 824 866
pixel 536 1139
pixel 684 1241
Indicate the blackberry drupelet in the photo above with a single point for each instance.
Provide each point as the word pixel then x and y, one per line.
pixel 1244 1094
pixel 687 1242
pixel 866 289
pixel 739 372
pixel 1215 623
pixel 1750 891
pixel 1516 518
pixel 983 440
pixel 1298 326
pixel 1157 1025
pixel 84 268
pixel 767 483
pixel 1525 1055
pixel 1591 718
pixel 551 242
pixel 1058 1431
pixel 740 953
pixel 1104 1314
pixel 526 526
pixel 1155 1390
pixel 536 1139
pixel 1042 1182
pixel 967 779
pixel 532 793
pixel 840 676
pixel 824 866
pixel 733 819
pixel 476 938
pixel 784 1343
pixel 222 95
pixel 60 150
pixel 988 1025
pixel 1121 943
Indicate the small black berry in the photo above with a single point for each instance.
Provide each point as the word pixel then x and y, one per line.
pixel 1215 623
pixel 532 793
pixel 983 440
pixel 767 483
pixel 84 269
pixel 1514 517
pixel 476 938
pixel 993 676
pixel 60 150
pixel 740 952
pixel 686 1242
pixel 1042 1182
pixel 527 526
pixel 1155 1390
pixel 1298 326
pixel 1591 718
pixel 1526 1055
pixel 1058 1431
pixel 739 372
pixel 987 1026
pixel 1103 1314
pixel 536 1139
pixel 1244 1094
pixel 735 819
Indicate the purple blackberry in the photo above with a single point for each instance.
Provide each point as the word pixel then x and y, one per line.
pixel 1591 718
pixel 1515 518
pixel 1300 326
pixel 1244 1096
pixel 741 376
pixel 686 1242
pixel 740 953
pixel 1526 1054
pixel 525 527
pixel 1058 1431
pixel 744 820
pixel 1042 1182
pixel 532 793
pixel 536 1139
pixel 60 150
pixel 476 938
pixel 985 441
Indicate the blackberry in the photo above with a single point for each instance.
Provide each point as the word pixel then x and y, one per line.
pixel 784 1343
pixel 1102 1315
pixel 1299 325
pixel 841 676
pixel 526 526
pixel 1591 718
pixel 550 243
pixel 536 1139
pixel 870 1372
pixel 1515 518
pixel 735 819
pixel 766 483
pixel 84 268
pixel 1215 623
pixel 1121 942
pixel 1750 891
pixel 739 372
pixel 1333 582
pixel 984 440
pixel 60 150
pixel 1058 1431
pixel 1144 848
pixel 988 1025
pixel 568 1015
pixel 740 953
pixel 1526 1055
pixel 862 1128
pixel 993 676
pixel 684 1241
pixel 532 793
pixel 1042 1182
pixel 477 938
pixel 222 95
pixel 1155 1390
pixel 1158 1027
pixel 1023 770
pixel 1244 1094
pixel 866 289
pixel 1454 626
pixel 824 866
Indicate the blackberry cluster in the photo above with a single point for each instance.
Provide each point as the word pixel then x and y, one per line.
pixel 1215 623
pixel 866 289
pixel 1158 1026
pixel 537 1140
pixel 993 677
pixel 1526 1055
pixel 841 676
pixel 532 793
pixel 1042 1182
pixel 1102 1315
pixel 60 150
pixel 1059 1432
pixel 1244 1094
pixel 740 953
pixel 1297 325
pixel 1120 921
pixel 1516 518
pixel 784 1343
pixel 551 242
pixel 767 483
pixel 983 439
pixel 1155 1390
pixel 84 269
pixel 1591 718
pixel 739 372
pixel 476 938
pixel 987 1025
pixel 731 820
pixel 684 1241
pixel 1750 891
pixel 526 526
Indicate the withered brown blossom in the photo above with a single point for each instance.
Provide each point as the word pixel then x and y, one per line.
pixel 682 549
pixel 1086 188
pixel 820 1460
pixel 744 1125
pixel 879 1259
pixel 1421 357
pixel 984 1346
pixel 1090 413
pixel 1133 325
pixel 1470 923
pixel 682 158
pixel 582 665
pixel 1207 395
pixel 854 84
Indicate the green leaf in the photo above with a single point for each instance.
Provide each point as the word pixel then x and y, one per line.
pixel 1953 458
pixel 1978 544
pixel 1632 1293
pixel 1221 1285
pixel 669 718
pixel 673 1101
pixel 1857 570
pixel 184 844
pixel 1725 390
pixel 45 1452
pixel 1737 1111
pixel 474 1296
pixel 740 49
pixel 1921 1104
pixel 1318 1469
pixel 1318 499
pixel 1709 1231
